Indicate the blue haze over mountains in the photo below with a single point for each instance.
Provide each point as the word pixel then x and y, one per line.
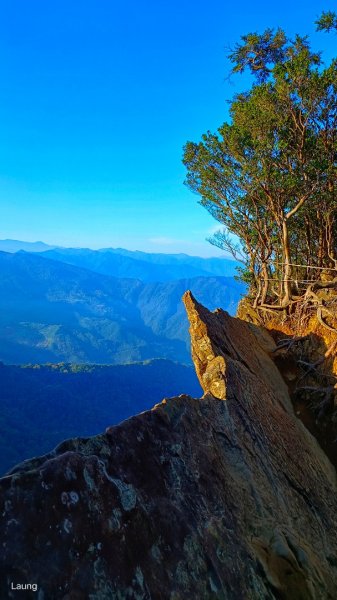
pixel 88 338
pixel 104 306
pixel 119 262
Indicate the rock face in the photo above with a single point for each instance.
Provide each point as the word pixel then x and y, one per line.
pixel 227 496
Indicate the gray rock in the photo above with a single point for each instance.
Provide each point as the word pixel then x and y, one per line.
pixel 227 496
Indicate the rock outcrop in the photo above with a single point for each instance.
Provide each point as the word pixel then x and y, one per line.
pixel 227 496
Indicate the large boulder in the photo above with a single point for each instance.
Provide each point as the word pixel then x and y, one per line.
pixel 227 496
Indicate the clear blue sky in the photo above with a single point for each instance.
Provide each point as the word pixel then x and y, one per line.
pixel 97 99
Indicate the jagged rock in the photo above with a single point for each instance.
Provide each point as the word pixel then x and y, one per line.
pixel 225 497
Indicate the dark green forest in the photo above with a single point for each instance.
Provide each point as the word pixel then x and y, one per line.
pixel 41 405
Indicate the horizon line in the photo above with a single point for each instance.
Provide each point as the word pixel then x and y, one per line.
pixel 107 248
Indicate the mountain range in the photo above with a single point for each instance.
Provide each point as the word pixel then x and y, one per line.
pixel 51 310
pixel 118 262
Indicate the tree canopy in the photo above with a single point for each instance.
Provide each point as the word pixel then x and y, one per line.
pixel 268 175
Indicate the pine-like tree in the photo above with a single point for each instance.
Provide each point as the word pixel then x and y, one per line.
pixel 269 174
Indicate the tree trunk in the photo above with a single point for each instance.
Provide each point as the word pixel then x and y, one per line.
pixel 257 295
pixel 308 247
pixel 265 285
pixel 287 267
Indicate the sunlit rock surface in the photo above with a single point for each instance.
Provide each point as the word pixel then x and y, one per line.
pixel 225 497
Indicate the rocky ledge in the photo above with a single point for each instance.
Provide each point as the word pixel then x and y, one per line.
pixel 223 497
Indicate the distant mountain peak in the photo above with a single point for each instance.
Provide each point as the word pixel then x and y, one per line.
pixel 9 245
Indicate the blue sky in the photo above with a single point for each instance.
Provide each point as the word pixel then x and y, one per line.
pixel 97 99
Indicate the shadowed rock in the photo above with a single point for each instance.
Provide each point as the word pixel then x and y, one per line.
pixel 224 497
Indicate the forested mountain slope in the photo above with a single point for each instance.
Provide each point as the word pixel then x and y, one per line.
pixel 51 311
pixel 42 405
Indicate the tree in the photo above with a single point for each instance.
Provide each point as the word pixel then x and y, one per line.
pixel 269 174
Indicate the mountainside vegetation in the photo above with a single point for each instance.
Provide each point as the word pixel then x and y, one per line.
pixel 269 174
pixel 41 405
pixel 51 311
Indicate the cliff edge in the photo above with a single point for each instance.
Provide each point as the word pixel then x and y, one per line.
pixel 224 497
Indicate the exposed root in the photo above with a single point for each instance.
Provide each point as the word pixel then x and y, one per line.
pixel 321 320
pixel 316 390
pixel 319 285
pixel 288 343
pixel 317 301
pixel 331 349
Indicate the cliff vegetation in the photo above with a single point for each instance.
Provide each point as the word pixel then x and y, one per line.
pixel 269 177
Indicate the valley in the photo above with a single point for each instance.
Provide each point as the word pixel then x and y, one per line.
pixel 52 311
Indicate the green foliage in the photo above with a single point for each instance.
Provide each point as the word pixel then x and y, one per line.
pixel 269 174
pixel 258 51
pixel 327 21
